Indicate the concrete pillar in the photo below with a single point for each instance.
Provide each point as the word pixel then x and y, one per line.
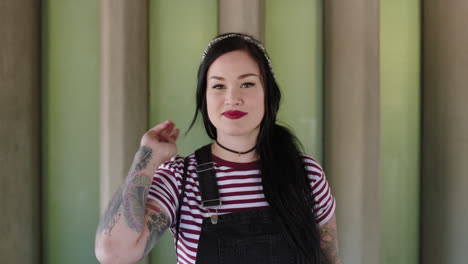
pixel 19 131
pixel 352 126
pixel 246 16
pixel 124 89
pixel 445 132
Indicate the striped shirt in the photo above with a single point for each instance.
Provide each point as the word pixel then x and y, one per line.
pixel 240 188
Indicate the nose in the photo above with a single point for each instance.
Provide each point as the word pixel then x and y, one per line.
pixel 233 97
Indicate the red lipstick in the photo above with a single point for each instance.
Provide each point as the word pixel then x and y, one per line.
pixel 234 114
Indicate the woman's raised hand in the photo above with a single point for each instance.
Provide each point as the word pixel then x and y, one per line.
pixel 162 140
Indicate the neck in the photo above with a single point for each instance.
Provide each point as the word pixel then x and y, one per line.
pixel 237 146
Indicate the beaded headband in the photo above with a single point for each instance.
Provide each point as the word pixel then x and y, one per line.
pixel 244 37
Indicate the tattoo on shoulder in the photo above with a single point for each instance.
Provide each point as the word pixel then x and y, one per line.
pixel 329 246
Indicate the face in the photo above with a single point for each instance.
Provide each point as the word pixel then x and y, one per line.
pixel 235 95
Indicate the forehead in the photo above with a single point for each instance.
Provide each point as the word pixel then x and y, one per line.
pixel 233 63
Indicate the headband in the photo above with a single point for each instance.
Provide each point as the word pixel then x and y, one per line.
pixel 244 37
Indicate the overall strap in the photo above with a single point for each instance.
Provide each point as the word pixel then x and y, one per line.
pixel 207 177
pixel 207 181
pixel 181 200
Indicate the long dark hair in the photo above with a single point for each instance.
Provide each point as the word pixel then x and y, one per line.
pixel 284 180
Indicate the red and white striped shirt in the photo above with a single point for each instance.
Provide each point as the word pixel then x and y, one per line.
pixel 240 188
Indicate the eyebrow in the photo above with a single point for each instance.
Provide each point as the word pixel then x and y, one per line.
pixel 240 76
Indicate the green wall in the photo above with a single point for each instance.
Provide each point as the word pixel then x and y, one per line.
pixel 70 113
pixel 400 131
pixel 179 32
pixel 293 39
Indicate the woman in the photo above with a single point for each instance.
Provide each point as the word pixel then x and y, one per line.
pixel 249 197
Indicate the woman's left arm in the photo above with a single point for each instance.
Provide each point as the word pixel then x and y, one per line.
pixel 329 242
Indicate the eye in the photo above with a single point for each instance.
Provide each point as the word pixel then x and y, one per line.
pixel 218 86
pixel 247 84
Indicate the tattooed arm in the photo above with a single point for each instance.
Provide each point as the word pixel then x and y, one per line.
pixel 329 244
pixel 131 224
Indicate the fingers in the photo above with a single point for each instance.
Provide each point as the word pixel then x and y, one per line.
pixel 166 131
pixel 175 135
pixel 160 127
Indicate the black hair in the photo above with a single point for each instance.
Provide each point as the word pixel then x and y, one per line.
pixel 285 185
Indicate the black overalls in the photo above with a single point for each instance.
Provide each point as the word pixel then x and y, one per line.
pixel 246 237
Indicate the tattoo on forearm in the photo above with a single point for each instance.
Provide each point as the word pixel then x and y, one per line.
pixel 329 246
pixel 112 214
pixel 131 196
pixel 136 190
pixel 157 223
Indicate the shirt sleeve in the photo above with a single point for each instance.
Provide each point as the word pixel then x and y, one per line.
pixel 324 200
pixel 165 187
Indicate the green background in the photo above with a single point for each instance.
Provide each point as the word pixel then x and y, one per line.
pixel 179 31
pixel 294 41
pixel 70 130
pixel 400 131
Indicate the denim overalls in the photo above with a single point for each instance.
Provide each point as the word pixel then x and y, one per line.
pixel 246 237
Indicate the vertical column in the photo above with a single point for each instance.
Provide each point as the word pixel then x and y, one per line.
pixel 246 16
pixel 400 115
pixel 179 32
pixel 70 130
pixel 445 132
pixel 19 131
pixel 352 124
pixel 294 40
pixel 123 89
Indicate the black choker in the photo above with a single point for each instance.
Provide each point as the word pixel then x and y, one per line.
pixel 237 152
